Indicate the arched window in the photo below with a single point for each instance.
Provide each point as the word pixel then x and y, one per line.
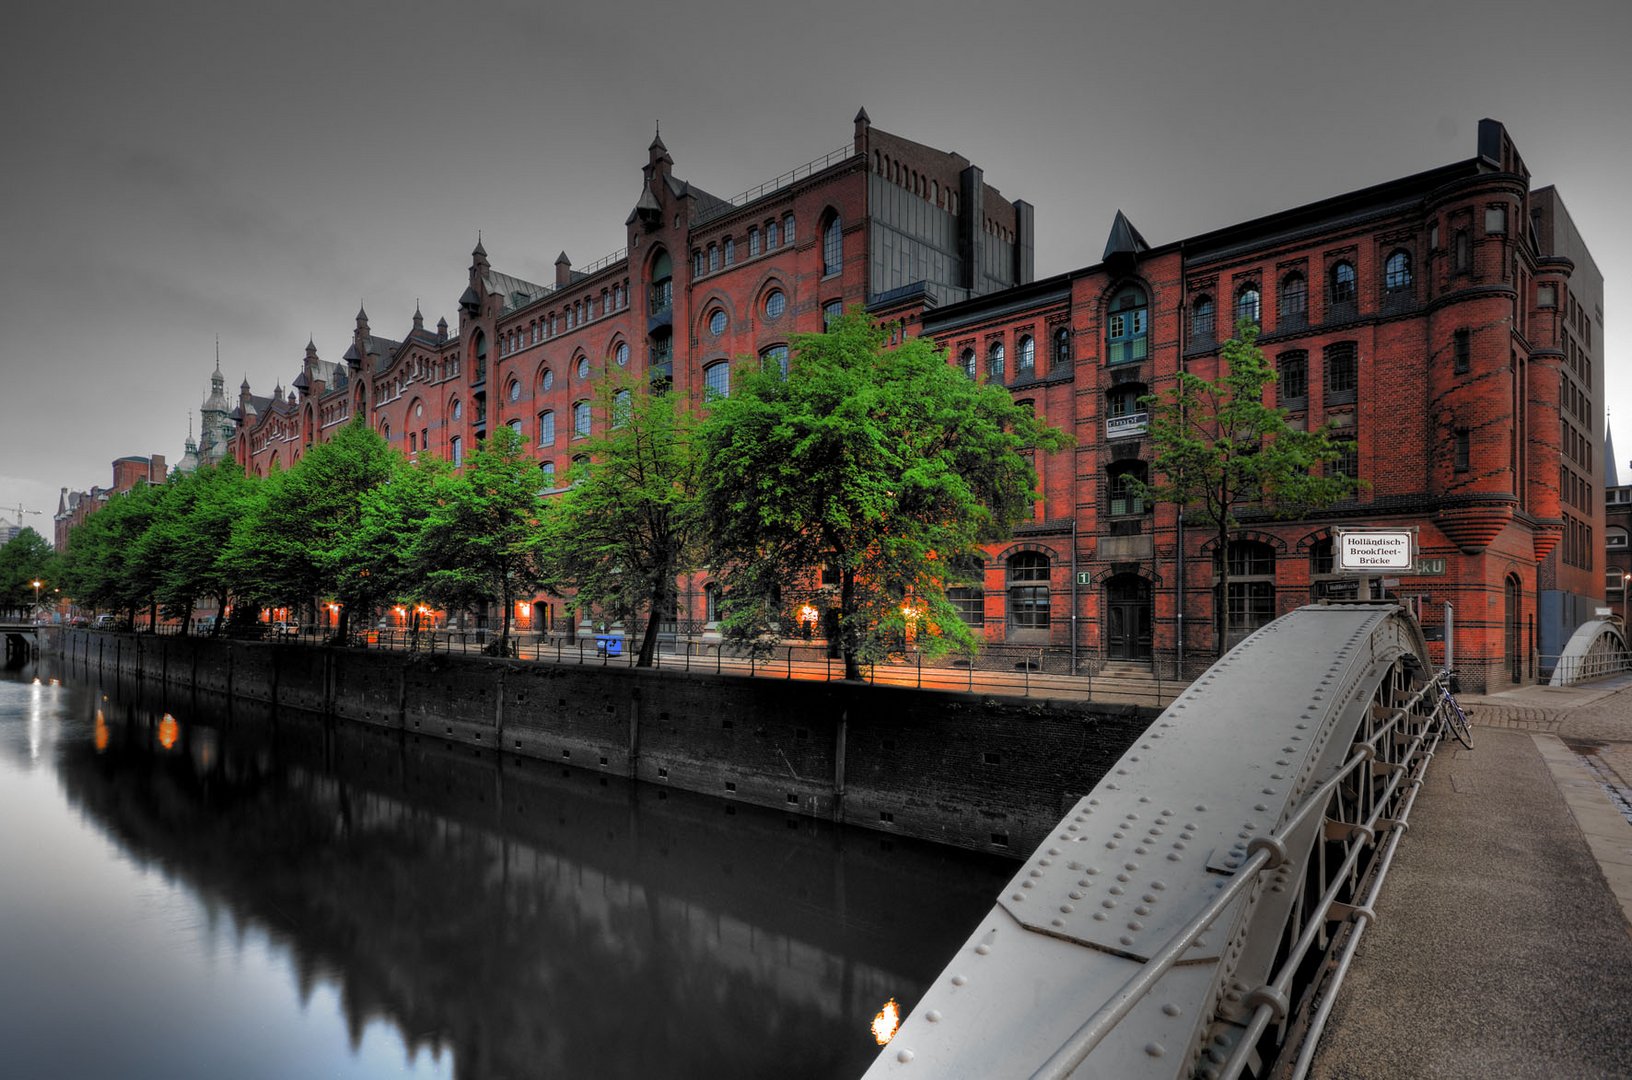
pixel 661 297
pixel 513 391
pixel 994 362
pixel 457 409
pixel 1124 478
pixel 717 322
pixel 515 425
pixel 546 428
pixel 546 474
pixel 1397 272
pixel 698 266
pixel 969 367
pixel 385 432
pixel 713 257
pixel 1127 331
pixel 1343 292
pixel 1025 361
pixel 776 302
pixel 1028 591
pixel 832 246
pixel 580 419
pixel 717 381
pixel 778 355
pixel 772 232
pixel 582 368
pixel 1292 370
pixel 1062 349
pixel 1293 307
pixel 620 355
pixel 456 451
pixel 753 241
pixel 546 379
pixel 1247 305
pixel 1342 372
pixel 1251 600
pixel 730 251
pixel 1202 319
pixel 478 354
pixel 622 403
pixel 832 311
pixel 787 229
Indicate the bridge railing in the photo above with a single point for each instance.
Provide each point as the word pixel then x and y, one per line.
pixel 1569 670
pixel 1386 813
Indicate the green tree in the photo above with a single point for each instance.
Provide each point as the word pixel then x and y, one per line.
pixel 885 467
pixel 482 536
pixel 25 559
pixel 632 520
pixel 102 565
pixel 296 549
pixel 1220 448
pixel 384 547
pixel 191 541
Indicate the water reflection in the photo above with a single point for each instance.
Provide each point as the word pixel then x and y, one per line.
pixel 522 919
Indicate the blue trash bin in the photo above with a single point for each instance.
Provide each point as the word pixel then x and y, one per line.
pixel 608 645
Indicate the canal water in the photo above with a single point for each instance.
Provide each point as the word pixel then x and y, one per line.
pixel 190 888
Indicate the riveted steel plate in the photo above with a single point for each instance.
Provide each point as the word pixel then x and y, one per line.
pixel 1163 832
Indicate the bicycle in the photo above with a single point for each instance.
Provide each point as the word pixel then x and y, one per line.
pixel 1454 719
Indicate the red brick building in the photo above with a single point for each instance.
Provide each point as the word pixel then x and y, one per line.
pixel 1446 321
pixel 74 507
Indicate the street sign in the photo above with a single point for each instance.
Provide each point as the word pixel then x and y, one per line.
pixel 1373 551
pixel 1085 577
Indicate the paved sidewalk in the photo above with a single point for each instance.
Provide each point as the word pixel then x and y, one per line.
pixel 1503 946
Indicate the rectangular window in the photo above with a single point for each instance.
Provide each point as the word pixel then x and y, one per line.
pixel 1462 449
pixel 1495 219
pixel 1461 352
pixel 970 605
pixel 753 242
pixel 1028 607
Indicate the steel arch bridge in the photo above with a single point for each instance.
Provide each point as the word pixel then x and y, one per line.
pixel 1192 916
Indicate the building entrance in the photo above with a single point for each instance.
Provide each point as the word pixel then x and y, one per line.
pixel 1128 615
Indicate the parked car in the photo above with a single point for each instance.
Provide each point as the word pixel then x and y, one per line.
pixel 106 622
pixel 79 620
pixel 286 629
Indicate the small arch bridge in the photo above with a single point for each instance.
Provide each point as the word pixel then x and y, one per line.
pixel 22 641
pixel 1192 916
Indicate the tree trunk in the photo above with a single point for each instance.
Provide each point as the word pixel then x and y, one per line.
pixel 1223 600
pixel 654 624
pixel 220 615
pixel 507 598
pixel 847 634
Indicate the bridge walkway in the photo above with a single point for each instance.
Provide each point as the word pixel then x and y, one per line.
pixel 1503 946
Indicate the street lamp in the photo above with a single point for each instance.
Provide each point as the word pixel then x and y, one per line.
pixel 37 584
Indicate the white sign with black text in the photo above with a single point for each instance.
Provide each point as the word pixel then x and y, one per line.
pixel 1373 551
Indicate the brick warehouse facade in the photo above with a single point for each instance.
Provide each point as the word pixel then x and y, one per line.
pixel 1449 322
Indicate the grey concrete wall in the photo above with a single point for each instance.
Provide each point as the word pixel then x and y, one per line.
pixel 989 774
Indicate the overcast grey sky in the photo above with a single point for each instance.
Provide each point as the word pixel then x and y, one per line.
pixel 174 171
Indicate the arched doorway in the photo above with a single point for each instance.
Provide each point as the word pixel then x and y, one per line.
pixel 1127 618
pixel 1513 640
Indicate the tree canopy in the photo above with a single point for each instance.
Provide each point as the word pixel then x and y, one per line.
pixel 877 468
pixel 1220 447
pixel 632 520
pixel 481 538
pixel 25 559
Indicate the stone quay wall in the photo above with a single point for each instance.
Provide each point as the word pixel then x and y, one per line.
pixel 985 773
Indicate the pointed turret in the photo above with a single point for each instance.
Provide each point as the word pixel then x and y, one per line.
pixel 1611 466
pixel 863 124
pixel 442 329
pixel 1124 245
pixel 563 270
pixel 419 320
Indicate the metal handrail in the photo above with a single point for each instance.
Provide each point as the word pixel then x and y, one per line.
pixel 1266 851
pixel 743 198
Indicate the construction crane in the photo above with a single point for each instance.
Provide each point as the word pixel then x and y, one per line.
pixel 20 510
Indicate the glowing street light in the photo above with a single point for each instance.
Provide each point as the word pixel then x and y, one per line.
pixel 37 584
